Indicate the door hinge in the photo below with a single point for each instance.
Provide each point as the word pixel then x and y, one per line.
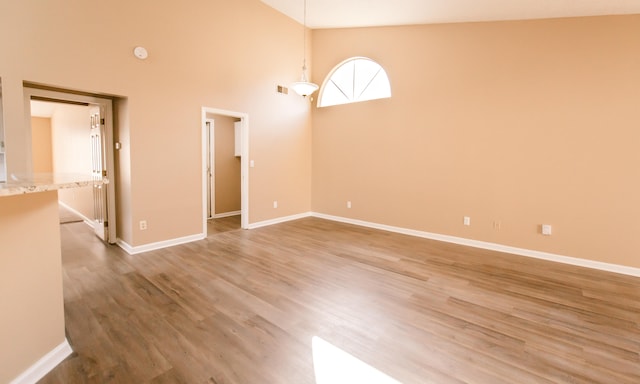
pixel 102 121
pixel 104 173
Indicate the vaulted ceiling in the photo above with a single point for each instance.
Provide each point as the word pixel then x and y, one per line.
pixel 360 13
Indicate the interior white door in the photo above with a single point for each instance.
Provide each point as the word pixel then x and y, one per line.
pixel 99 173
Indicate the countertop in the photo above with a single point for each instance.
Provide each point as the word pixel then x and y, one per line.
pixel 42 182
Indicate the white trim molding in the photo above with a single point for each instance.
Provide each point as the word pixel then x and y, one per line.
pixel 244 163
pixel 43 366
pixel 615 268
pixel 279 220
pixel 621 269
pixel 158 245
pixel 73 210
pixel 226 214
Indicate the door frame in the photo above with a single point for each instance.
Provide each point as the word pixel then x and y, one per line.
pixel 244 164
pixel 211 160
pixel 107 105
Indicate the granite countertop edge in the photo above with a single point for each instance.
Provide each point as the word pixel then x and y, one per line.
pixel 20 185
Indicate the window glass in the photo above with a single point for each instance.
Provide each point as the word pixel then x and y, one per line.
pixel 356 79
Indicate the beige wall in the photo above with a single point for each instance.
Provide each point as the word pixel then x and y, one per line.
pixel 221 54
pixel 70 127
pixel 72 153
pixel 521 123
pixel 227 166
pixel 32 321
pixel 41 145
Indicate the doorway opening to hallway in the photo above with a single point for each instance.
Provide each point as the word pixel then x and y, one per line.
pixel 224 165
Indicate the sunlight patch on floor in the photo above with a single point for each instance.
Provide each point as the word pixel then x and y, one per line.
pixel 335 366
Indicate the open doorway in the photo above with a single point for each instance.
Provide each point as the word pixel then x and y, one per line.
pixel 73 134
pixel 224 164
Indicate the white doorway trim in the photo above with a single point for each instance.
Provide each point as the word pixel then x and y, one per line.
pixel 106 106
pixel 211 166
pixel 244 164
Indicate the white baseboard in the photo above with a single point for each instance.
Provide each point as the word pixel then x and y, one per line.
pixel 226 214
pixel 43 366
pixel 621 269
pixel 159 245
pixel 83 217
pixel 187 239
pixel 279 220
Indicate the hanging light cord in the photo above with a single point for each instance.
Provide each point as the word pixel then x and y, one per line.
pixel 304 41
pixel 303 87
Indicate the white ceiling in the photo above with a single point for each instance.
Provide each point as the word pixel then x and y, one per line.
pixel 360 13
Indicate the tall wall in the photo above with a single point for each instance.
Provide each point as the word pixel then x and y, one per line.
pixel 72 153
pixel 229 55
pixel 514 124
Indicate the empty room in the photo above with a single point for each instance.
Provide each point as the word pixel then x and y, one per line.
pixel 320 191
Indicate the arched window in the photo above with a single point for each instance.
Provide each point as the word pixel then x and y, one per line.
pixel 355 79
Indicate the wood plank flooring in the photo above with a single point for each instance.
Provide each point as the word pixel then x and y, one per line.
pixel 215 226
pixel 242 307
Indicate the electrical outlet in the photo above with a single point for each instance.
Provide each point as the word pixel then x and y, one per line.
pixel 546 229
pixel 275 204
pixel 348 204
pixel 143 225
pixel 467 220
pixel 497 224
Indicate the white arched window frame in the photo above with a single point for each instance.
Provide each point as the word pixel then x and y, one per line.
pixel 355 79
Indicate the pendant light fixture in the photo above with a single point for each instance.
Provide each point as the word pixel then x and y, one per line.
pixel 303 87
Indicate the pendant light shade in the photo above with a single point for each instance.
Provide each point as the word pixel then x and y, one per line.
pixel 303 87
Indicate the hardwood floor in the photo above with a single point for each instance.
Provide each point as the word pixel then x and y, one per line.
pixel 243 306
pixel 225 224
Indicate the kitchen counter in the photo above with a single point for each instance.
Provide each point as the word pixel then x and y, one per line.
pixel 43 182
pixel 32 330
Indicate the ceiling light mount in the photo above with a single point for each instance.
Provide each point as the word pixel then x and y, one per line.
pixel 140 52
pixel 303 87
